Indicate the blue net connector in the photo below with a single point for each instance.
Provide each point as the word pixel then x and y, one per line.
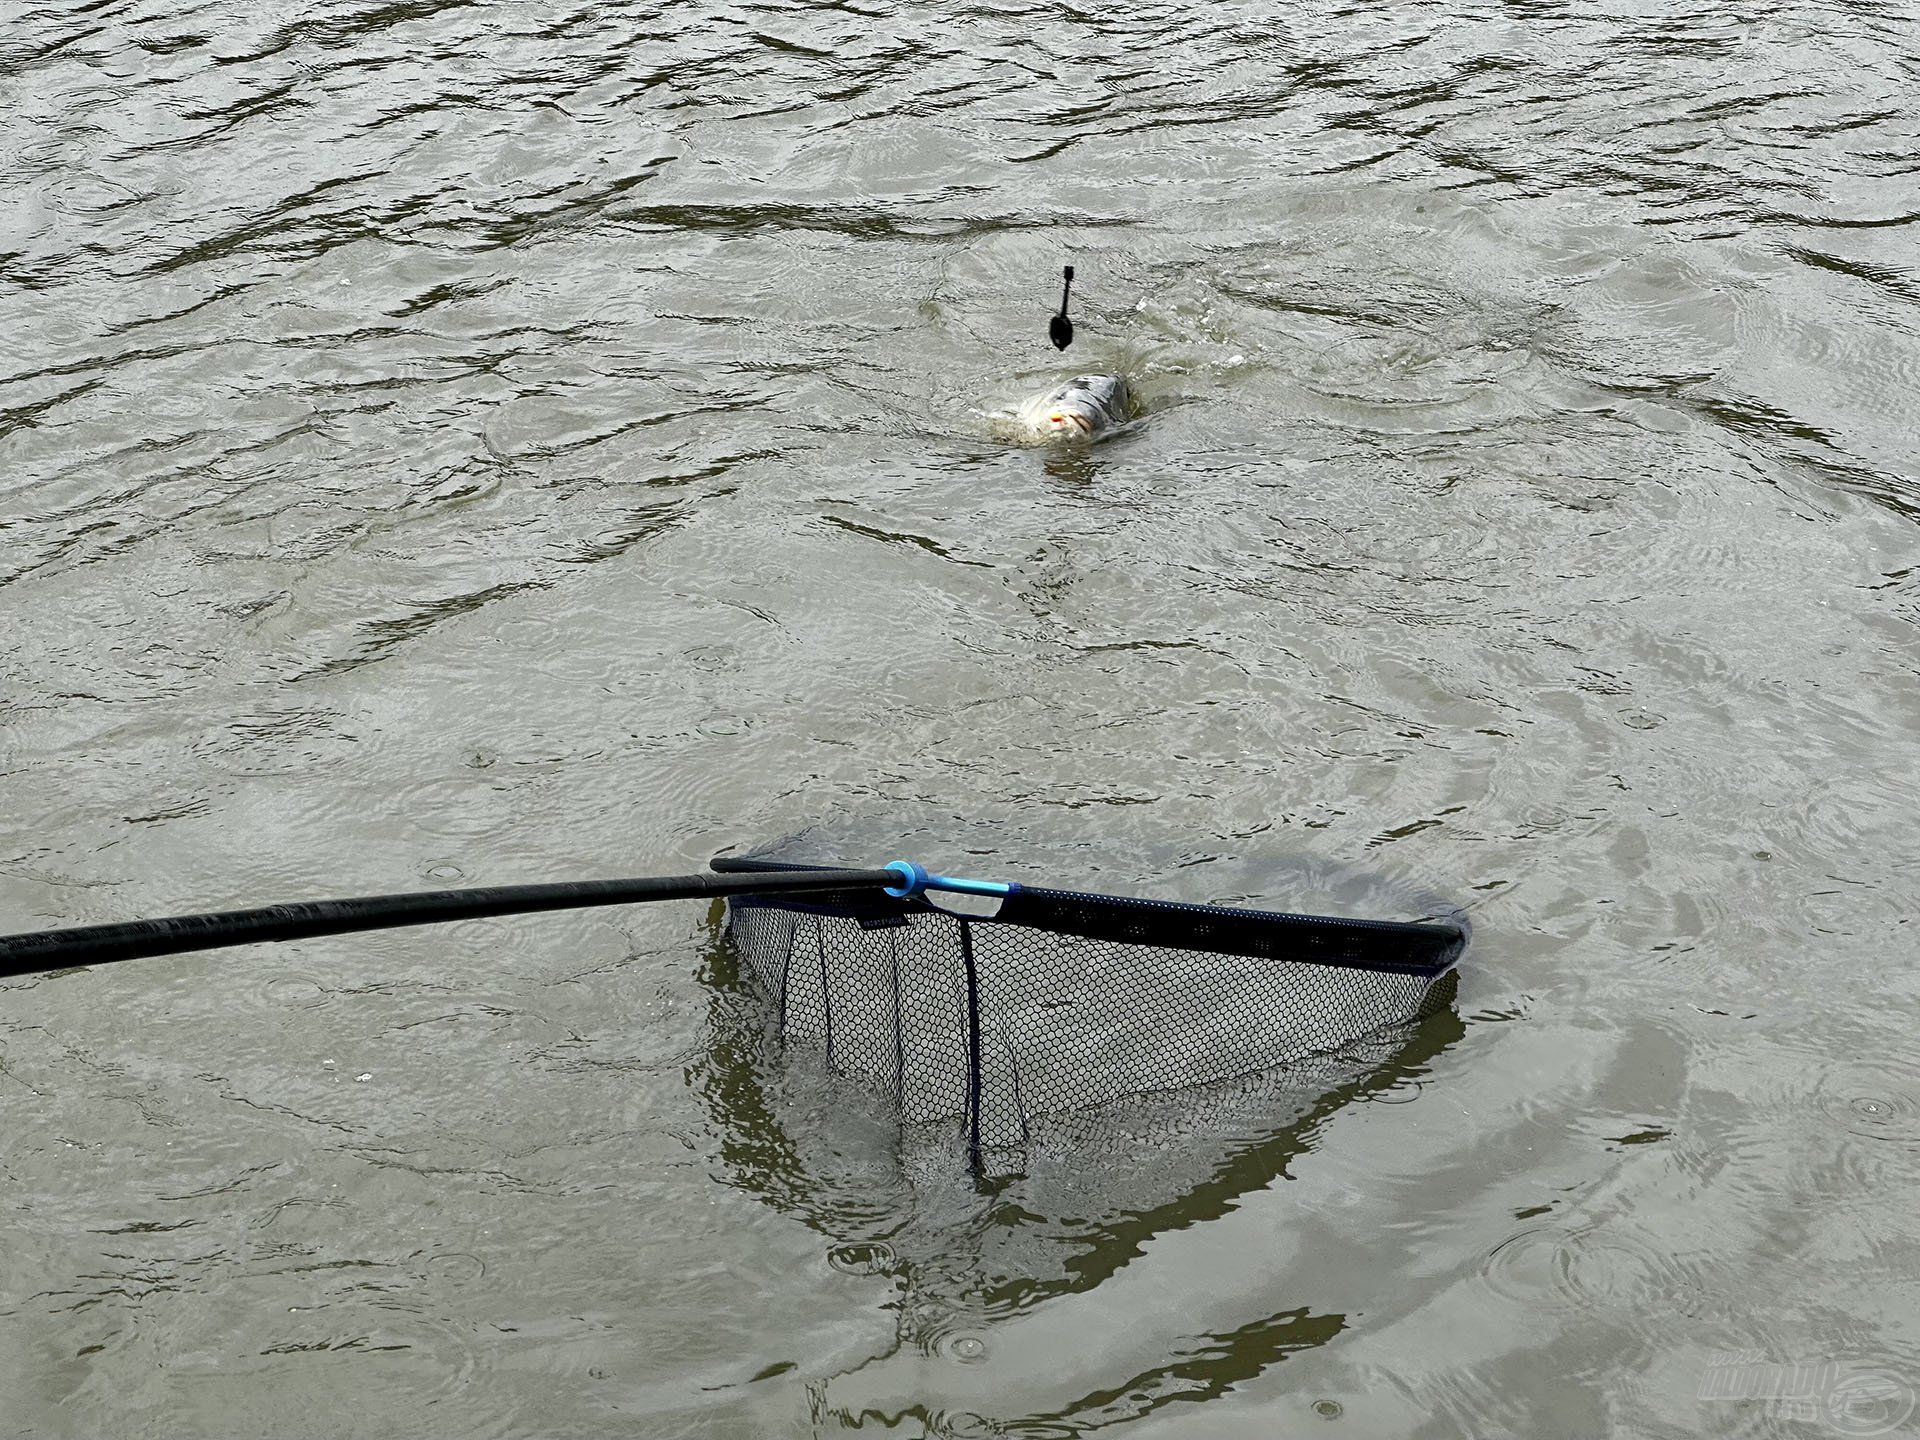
pixel 914 879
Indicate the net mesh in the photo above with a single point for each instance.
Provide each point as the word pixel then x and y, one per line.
pixel 997 1020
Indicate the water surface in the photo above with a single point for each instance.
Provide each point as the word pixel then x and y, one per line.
pixel 477 442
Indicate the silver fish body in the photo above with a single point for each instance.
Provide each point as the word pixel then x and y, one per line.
pixel 1083 408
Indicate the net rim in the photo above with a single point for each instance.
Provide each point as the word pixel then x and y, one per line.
pixel 1427 950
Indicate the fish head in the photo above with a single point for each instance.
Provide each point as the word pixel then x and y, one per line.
pixel 1068 419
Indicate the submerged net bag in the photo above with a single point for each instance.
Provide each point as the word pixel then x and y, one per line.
pixel 996 1010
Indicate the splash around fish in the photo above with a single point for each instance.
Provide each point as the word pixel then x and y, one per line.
pixel 1085 408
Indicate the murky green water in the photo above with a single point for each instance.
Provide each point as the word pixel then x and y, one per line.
pixel 454 443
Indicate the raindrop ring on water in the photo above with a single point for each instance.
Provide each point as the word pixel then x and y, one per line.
pixel 1578 1268
pixel 968 1347
pixel 1874 1101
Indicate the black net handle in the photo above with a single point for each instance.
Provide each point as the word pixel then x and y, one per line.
pixel 136 939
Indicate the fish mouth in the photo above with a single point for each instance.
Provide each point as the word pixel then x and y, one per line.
pixel 1071 419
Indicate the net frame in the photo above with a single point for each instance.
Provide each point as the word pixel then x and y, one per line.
pixel 1047 1001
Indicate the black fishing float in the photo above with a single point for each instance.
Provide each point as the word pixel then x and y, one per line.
pixel 1060 328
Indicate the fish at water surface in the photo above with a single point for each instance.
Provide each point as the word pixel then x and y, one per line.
pixel 1083 408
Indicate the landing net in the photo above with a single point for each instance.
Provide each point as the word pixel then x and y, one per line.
pixel 997 1011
